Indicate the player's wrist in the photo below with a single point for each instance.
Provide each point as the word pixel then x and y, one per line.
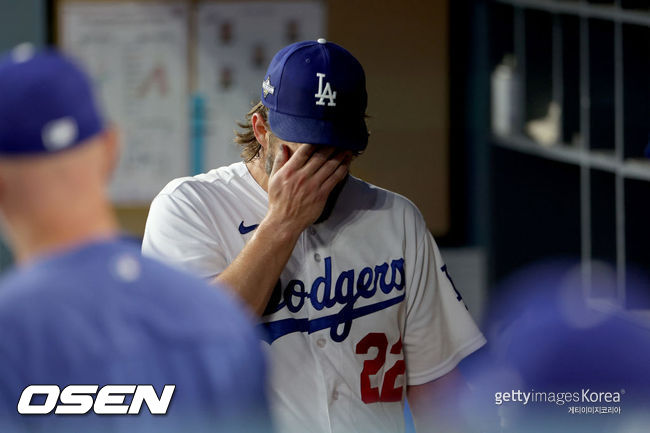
pixel 280 229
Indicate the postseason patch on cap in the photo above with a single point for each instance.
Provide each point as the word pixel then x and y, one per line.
pixel 47 103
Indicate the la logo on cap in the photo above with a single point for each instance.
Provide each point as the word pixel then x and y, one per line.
pixel 324 93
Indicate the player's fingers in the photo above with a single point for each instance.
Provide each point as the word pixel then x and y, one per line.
pixel 280 159
pixel 301 156
pixel 317 160
pixel 338 175
pixel 330 166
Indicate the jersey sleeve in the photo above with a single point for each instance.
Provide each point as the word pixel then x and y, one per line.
pixel 439 330
pixel 180 235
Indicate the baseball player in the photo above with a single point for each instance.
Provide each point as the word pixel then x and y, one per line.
pixel 358 309
pixel 83 307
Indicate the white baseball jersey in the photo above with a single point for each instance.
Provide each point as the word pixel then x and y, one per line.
pixel 363 308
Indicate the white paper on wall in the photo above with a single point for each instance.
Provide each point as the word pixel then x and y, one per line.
pixel 235 43
pixel 137 55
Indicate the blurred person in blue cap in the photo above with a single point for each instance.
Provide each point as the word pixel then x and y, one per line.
pixel 357 305
pixel 82 306
pixel 562 359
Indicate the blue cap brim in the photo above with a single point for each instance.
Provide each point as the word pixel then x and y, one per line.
pixel 326 132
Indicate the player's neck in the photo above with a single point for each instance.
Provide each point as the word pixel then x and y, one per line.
pixel 257 170
pixel 60 228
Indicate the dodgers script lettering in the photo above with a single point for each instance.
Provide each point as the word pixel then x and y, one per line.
pixel 348 287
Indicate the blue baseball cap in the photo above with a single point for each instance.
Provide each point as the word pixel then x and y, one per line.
pixel 316 93
pixel 46 103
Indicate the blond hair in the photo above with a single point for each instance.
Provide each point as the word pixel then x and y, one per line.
pixel 246 138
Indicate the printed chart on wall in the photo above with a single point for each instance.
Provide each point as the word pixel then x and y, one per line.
pixel 236 42
pixel 137 55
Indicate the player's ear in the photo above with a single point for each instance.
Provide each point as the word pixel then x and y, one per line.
pixel 111 143
pixel 260 129
pixel 5 181
pixel 2 186
pixel 4 199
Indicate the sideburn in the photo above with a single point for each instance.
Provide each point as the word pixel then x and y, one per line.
pixel 269 157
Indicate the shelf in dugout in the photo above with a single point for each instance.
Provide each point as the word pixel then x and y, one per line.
pixel 598 11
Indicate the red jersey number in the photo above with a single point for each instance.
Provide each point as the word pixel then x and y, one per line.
pixel 371 367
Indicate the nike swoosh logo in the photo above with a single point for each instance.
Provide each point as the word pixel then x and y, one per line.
pixel 279 328
pixel 246 229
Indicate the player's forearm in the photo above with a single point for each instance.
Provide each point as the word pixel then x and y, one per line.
pixel 255 271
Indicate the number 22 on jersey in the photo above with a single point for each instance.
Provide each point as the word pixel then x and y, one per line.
pixel 386 391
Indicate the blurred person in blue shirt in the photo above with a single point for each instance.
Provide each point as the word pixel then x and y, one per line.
pixel 562 359
pixel 82 306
